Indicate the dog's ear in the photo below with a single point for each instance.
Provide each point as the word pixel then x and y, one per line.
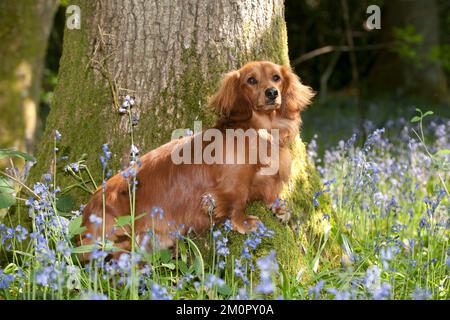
pixel 296 96
pixel 229 102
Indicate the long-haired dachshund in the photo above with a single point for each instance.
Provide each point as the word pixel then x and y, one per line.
pixel 169 198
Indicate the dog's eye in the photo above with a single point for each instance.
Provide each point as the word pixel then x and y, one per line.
pixel 276 78
pixel 252 80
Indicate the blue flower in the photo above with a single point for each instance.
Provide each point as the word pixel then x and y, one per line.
pixel 72 166
pixel 382 292
pixel 95 296
pixel 340 295
pixel 421 294
pixel 95 219
pixel 314 292
pixel 57 135
pixel 159 293
pixel 212 281
pixel 268 266
pixel 5 279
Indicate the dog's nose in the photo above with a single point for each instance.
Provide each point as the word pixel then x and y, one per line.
pixel 272 93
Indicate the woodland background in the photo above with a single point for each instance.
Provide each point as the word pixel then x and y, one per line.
pixel 403 65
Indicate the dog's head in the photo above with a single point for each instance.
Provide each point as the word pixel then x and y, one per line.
pixel 260 86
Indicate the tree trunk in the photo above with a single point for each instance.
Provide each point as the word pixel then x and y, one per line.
pixel 170 55
pixel 25 26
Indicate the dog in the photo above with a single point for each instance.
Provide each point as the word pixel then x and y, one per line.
pixel 276 96
pixel 169 198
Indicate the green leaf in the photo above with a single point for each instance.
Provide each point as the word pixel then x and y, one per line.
pixel 183 251
pixel 75 226
pixel 126 220
pixel 183 266
pixel 198 266
pixel 170 265
pixel 428 113
pixel 84 248
pixel 224 290
pixel 14 153
pixel 442 152
pixel 65 203
pixel 166 256
pixel 123 221
pixel 7 198
pixel 416 119
pixel 285 282
pixel 90 247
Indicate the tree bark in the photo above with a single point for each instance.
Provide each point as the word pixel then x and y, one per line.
pixel 25 27
pixel 170 55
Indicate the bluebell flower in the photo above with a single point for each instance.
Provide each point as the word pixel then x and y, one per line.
pixel 159 293
pixel 227 225
pixel 372 279
pixel 268 267
pixel 421 294
pixel 104 159
pixel 5 279
pixel 157 211
pixel 240 270
pixel 57 135
pixel 98 254
pixel 95 296
pixel 387 254
pixel 72 166
pixel 314 292
pixel 382 292
pixel 241 295
pixel 93 218
pixel 212 281
pixel 340 295
pixel 134 120
pixel 124 262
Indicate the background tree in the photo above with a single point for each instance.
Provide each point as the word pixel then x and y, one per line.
pixel 170 55
pixel 25 27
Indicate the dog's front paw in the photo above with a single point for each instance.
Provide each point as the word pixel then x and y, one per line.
pixel 246 224
pixel 281 211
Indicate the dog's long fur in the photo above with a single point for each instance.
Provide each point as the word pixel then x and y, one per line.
pixel 178 189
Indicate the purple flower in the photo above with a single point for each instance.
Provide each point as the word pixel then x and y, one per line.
pixel 95 296
pixel 314 292
pixel 421 294
pixel 159 293
pixel 268 266
pixel 212 281
pixel 5 279
pixel 95 219
pixel 72 166
pixel 57 135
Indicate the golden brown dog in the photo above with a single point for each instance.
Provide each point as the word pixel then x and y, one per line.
pixel 261 95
